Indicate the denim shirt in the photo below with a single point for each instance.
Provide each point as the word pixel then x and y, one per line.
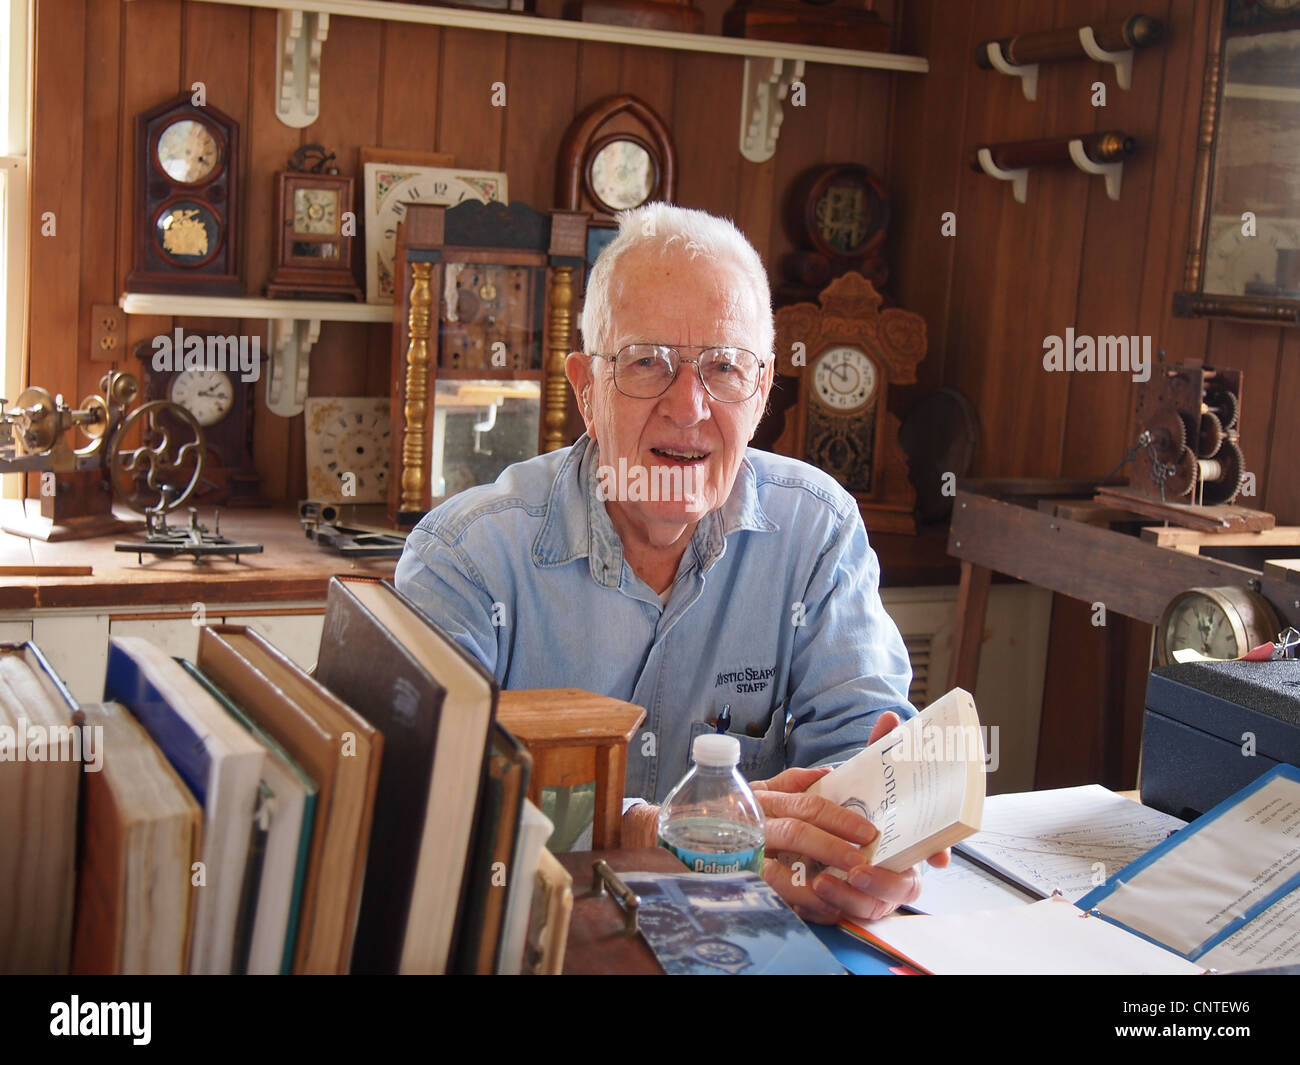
pixel 775 610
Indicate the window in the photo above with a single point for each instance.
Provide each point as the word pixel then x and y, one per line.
pixel 13 200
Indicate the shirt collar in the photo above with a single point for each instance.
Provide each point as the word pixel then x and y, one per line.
pixel 576 524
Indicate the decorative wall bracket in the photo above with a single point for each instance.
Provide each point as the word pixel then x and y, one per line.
pixel 1027 73
pixel 1019 178
pixel 289 365
pixel 299 38
pixel 767 83
pixel 1113 173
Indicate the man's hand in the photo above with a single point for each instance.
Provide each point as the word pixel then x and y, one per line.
pixel 802 827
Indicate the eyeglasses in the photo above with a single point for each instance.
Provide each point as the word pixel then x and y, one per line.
pixel 644 371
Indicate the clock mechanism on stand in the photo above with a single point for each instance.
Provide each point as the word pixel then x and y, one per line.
pixel 161 473
pixel 149 457
pixel 1188 448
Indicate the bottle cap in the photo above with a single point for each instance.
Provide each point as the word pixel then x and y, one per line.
pixel 715 750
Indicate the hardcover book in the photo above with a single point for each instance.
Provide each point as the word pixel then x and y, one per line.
pixel 434 705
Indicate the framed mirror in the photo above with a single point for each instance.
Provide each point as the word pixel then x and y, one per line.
pixel 1243 256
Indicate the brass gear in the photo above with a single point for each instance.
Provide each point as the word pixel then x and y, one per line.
pixel 1211 435
pixel 1231 465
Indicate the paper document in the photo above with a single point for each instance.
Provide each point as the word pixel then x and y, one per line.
pixel 963 886
pixel 1069 839
pixel 1049 937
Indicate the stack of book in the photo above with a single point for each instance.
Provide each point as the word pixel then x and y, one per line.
pixel 239 815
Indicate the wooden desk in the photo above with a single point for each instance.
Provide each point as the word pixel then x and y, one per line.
pixel 1014 527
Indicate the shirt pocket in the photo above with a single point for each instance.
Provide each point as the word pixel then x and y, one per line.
pixel 761 757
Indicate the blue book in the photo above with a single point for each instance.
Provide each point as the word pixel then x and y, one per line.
pixel 287 814
pixel 219 761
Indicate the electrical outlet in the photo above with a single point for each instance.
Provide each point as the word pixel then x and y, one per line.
pixel 107 332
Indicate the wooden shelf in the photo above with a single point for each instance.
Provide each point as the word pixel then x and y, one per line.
pixel 293 327
pixel 254 307
pixel 535 26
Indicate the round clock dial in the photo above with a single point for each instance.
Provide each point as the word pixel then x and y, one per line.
pixel 844 379
pixel 316 211
pixel 207 394
pixel 1221 623
pixel 187 151
pixel 622 175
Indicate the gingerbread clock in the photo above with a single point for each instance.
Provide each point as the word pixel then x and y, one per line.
pixel 842 355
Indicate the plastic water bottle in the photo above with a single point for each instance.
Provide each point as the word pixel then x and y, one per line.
pixel 711 820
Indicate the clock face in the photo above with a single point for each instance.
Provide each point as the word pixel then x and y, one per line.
pixel 1203 625
pixel 622 175
pixel 347 448
pixel 316 211
pixel 844 379
pixel 207 394
pixel 188 152
pixel 389 188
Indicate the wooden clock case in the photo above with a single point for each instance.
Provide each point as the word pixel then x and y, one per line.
pixel 848 313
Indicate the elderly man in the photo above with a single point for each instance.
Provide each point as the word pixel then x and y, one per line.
pixel 661 561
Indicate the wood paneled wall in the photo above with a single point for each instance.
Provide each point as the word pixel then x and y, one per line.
pixel 101 62
pixel 1014 274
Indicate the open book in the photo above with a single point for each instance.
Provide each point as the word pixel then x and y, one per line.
pixel 922 785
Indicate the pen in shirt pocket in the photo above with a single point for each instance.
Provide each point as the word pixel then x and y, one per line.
pixel 724 718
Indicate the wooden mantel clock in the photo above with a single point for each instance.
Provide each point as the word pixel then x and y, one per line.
pixel 842 354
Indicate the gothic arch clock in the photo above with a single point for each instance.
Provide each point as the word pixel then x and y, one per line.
pixel 842 355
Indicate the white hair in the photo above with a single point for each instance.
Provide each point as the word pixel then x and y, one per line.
pixel 668 231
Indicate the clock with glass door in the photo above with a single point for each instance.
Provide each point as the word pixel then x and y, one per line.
pixel 841 355
pixel 222 403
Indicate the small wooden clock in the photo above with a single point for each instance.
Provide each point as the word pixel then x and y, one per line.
pixel 313 242
pixel 187 201
pixel 842 355
pixel 837 215
pixel 222 403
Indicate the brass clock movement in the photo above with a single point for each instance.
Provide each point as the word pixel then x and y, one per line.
pixel 313 242
pixel 187 201
pixel 841 356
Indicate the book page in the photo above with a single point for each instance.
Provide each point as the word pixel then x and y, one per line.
pixel 1048 937
pixel 911 783
pixel 1271 939
pixel 1217 873
pixel 962 886
pixel 1066 840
